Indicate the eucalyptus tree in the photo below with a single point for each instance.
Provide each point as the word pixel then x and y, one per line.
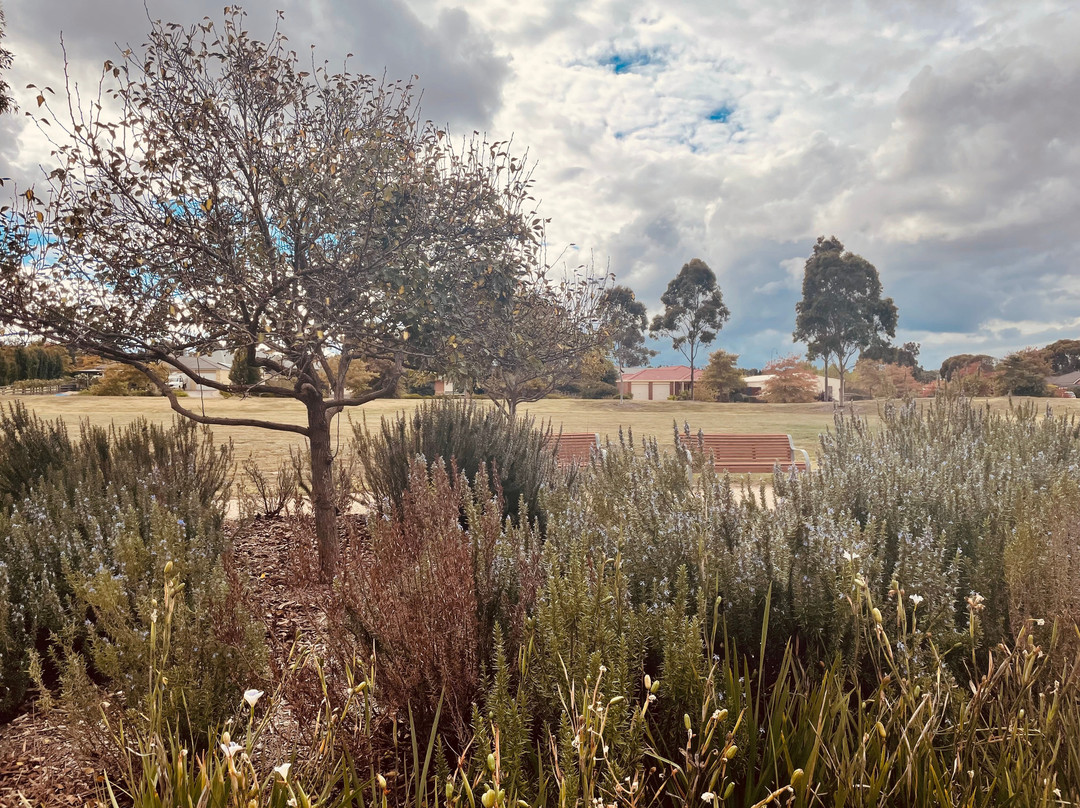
pixel 694 311
pixel 841 312
pixel 216 195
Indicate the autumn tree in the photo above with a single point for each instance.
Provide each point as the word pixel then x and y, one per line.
pixel 625 322
pixel 1023 373
pixel 721 377
pixel 792 382
pixel 694 312
pixel 841 312
pixel 238 201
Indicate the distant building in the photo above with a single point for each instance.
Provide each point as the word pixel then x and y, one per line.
pixel 657 384
pixel 215 367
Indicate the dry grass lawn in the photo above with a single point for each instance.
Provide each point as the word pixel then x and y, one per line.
pixel 804 422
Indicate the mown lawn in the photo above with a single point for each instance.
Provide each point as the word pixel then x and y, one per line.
pixel 804 422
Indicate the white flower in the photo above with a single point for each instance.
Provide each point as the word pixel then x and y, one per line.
pixel 282 771
pixel 848 556
pixel 916 599
pixel 1039 621
pixel 252 696
pixel 708 796
pixel 229 749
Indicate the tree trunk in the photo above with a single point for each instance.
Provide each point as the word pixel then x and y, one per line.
pixel 826 397
pixel 322 491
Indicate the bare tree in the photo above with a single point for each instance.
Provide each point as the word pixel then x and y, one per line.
pixel 235 201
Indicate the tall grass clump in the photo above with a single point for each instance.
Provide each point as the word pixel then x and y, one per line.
pixel 82 558
pixel 517 454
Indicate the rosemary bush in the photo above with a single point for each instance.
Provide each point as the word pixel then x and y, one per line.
pixel 82 554
pixel 517 454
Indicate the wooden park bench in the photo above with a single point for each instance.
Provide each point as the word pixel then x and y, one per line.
pixel 741 454
pixel 576 448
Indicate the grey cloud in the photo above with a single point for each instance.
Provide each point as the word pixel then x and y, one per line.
pixel 461 74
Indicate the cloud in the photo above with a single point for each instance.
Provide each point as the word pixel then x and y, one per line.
pixel 938 138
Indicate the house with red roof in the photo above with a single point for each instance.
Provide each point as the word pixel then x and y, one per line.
pixel 657 384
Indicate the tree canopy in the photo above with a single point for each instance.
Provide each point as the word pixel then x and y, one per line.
pixel 535 340
pixel 694 311
pixel 792 382
pixel 1023 373
pixel 721 377
pixel 237 201
pixel 841 311
pixel 1063 356
pixel 625 321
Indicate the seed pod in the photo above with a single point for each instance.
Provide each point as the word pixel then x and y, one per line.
pixel 731 752
pixel 686 721
pixel 728 790
pixel 797 778
pixel 491 762
pixel 880 730
pixel 876 614
pixel 488 800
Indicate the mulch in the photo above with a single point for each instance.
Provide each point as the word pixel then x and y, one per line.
pixel 39 763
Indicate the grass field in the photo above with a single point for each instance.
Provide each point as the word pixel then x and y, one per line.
pixel 804 422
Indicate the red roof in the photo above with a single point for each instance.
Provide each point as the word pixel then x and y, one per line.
pixel 668 373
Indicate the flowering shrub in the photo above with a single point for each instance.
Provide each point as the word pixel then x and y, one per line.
pixel 83 551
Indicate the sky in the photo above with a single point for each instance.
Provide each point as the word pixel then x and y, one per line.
pixel 939 139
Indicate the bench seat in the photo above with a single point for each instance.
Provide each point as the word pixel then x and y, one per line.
pixel 742 454
pixel 576 448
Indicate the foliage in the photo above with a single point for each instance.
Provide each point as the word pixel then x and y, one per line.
pixel 88 530
pixel 517 457
pixel 626 322
pixel 597 377
pixel 428 592
pixel 23 362
pixel 966 364
pixel 882 634
pixel 694 311
pixel 1023 373
pixel 535 340
pixel 721 377
pixel 254 204
pixel 883 380
pixel 1063 356
pixel 244 371
pixel 791 383
pixel 125 380
pixel 841 311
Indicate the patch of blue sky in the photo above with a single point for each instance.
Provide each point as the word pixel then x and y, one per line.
pixel 721 114
pixel 620 62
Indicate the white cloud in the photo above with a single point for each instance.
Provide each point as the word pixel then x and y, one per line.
pixel 938 139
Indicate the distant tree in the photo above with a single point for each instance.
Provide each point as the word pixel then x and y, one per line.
pixel 597 377
pixel 625 324
pixel 694 311
pixel 792 382
pixel 841 311
pixel 6 102
pixel 721 377
pixel 219 194
pixel 1063 356
pixel 884 379
pixel 125 380
pixel 966 364
pixel 244 372
pixel 535 340
pixel 1024 373
pixel 884 351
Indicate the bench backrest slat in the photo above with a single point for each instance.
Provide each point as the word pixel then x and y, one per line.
pixel 744 452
